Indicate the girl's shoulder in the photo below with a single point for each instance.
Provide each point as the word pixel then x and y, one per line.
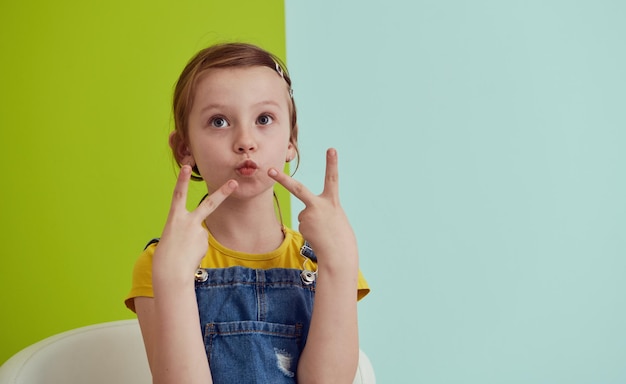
pixel 299 245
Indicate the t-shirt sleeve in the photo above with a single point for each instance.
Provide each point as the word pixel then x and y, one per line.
pixel 142 278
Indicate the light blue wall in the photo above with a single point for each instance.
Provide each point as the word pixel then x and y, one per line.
pixel 483 158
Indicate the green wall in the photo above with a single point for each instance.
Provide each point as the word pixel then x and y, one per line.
pixel 86 171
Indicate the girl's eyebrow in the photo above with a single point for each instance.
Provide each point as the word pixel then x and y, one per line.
pixel 212 106
pixel 220 106
pixel 268 102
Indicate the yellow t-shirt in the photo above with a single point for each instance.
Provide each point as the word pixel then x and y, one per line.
pixel 218 256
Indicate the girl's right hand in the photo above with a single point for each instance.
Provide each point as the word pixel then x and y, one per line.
pixel 184 240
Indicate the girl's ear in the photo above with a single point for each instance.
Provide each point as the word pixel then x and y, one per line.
pixel 181 150
pixel 292 147
pixel 291 152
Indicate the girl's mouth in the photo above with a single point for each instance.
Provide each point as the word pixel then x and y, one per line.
pixel 247 168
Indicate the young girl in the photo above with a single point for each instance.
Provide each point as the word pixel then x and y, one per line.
pixel 228 281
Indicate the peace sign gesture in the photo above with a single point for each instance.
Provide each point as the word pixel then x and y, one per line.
pixel 184 241
pixel 323 222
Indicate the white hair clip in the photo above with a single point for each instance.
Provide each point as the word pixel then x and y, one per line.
pixel 279 70
pixel 282 75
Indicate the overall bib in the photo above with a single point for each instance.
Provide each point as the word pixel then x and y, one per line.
pixel 254 322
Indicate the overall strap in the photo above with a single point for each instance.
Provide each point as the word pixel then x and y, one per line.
pixel 153 241
pixel 307 251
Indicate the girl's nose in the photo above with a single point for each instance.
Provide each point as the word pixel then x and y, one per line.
pixel 246 148
pixel 245 143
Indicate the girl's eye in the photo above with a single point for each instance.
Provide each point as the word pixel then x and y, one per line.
pixel 219 122
pixel 265 120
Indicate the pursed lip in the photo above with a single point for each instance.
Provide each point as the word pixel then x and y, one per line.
pixel 247 168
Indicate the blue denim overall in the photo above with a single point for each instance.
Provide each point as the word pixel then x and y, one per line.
pixel 255 322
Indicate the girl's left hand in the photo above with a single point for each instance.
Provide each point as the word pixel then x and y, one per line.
pixel 323 222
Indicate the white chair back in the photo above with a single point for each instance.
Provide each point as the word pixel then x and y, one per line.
pixel 105 353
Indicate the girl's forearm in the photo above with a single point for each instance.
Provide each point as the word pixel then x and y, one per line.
pixel 332 350
pixel 178 351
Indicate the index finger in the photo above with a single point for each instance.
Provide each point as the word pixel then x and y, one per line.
pixel 292 185
pixel 211 202
pixel 331 181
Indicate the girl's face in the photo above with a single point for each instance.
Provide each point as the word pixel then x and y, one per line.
pixel 239 127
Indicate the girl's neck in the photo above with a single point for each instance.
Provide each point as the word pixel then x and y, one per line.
pixel 246 227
